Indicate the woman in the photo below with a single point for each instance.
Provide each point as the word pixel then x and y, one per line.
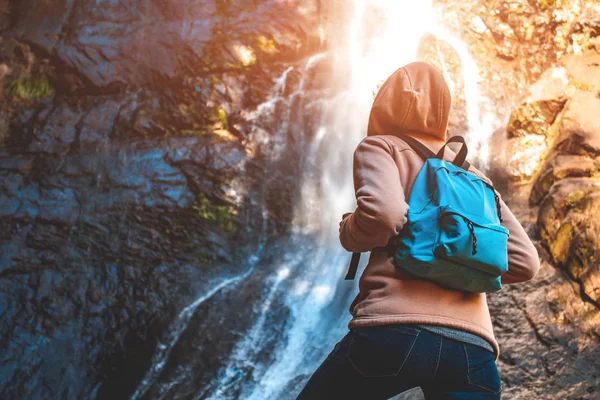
pixel 407 332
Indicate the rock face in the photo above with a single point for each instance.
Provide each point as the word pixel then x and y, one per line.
pixel 131 178
pixel 143 43
pixel 556 122
pixel 568 226
pixel 517 40
pixel 562 305
pixel 548 334
pixel 573 136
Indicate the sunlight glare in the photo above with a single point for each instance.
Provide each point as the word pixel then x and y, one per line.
pixel 395 28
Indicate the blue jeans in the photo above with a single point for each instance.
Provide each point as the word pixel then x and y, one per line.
pixel 379 362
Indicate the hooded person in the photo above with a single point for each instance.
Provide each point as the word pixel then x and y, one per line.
pixel 406 331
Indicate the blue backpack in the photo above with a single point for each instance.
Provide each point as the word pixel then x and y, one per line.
pixel 453 236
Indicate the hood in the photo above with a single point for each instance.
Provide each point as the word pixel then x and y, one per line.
pixel 414 99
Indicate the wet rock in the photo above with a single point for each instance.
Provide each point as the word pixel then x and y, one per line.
pixel 127 186
pixel 58 129
pixel 107 233
pixel 97 125
pixel 4 126
pixel 95 248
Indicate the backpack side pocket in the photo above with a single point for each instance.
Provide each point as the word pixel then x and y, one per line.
pixel 472 241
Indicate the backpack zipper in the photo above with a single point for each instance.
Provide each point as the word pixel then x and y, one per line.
pixel 472 230
pixel 496 197
pixel 498 206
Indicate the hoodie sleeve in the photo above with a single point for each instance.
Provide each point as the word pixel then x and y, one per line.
pixel 523 259
pixel 381 205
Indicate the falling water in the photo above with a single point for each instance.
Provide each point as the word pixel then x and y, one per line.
pixel 480 125
pixel 178 326
pixel 378 37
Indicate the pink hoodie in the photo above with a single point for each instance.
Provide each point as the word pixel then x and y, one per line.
pixel 414 101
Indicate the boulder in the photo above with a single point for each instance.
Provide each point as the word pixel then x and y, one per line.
pixel 560 119
pixel 542 105
pixel 557 167
pixel 578 128
pixel 569 222
pixel 559 201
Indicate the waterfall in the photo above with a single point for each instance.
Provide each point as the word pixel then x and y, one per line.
pixel 176 328
pixel 307 279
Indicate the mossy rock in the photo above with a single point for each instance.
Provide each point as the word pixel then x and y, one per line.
pixel 28 89
pixel 534 117
pixel 569 223
pixel 557 167
pixel 545 100
pixel 550 4
pixel 222 216
pixel 563 197
pixel 560 247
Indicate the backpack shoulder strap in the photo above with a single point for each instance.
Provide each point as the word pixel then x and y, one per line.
pixel 461 156
pixel 426 153
pixel 353 267
pixel 418 147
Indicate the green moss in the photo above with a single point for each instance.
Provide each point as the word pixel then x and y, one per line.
pixel 221 215
pixel 547 4
pixel 266 45
pixel 195 132
pixel 27 89
pixel 595 174
pixel 561 246
pixel 184 110
pixel 222 118
pixel 574 198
